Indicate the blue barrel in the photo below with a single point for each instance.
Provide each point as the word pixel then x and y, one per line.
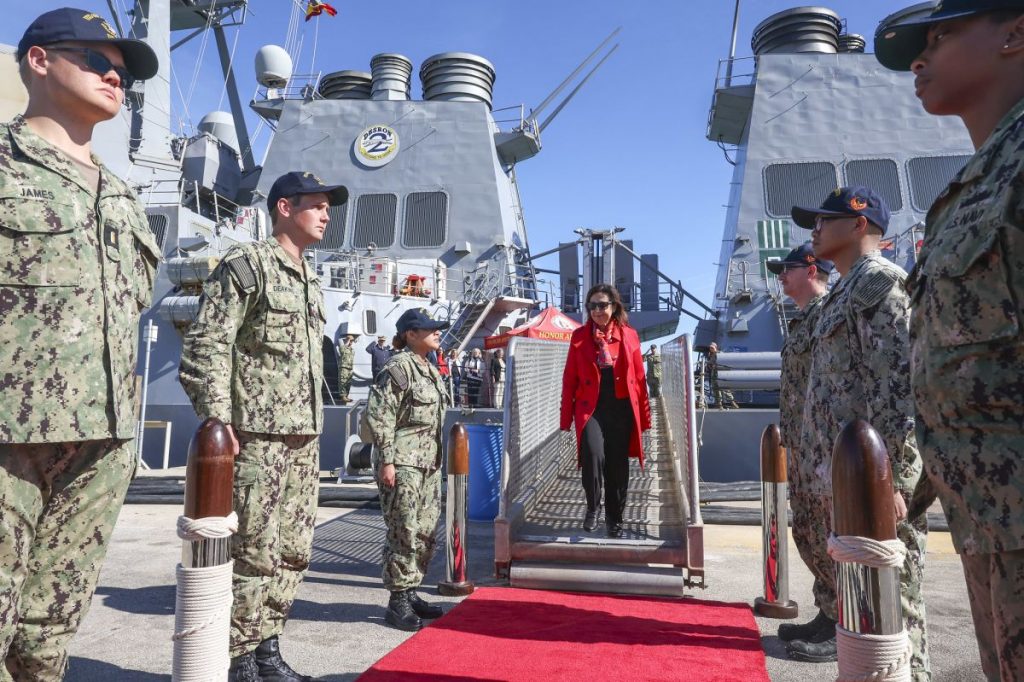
pixel 484 471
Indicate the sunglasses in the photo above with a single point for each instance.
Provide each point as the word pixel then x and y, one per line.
pixel 97 62
pixel 820 221
pixel 598 305
pixel 792 266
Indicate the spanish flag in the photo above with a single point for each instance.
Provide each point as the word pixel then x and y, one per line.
pixel 315 8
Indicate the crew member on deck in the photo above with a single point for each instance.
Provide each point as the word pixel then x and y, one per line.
pixel 967 293
pixel 403 419
pixel 77 264
pixel 605 394
pixel 254 360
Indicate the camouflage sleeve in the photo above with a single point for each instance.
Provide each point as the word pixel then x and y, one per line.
pixel 382 413
pixel 205 371
pixel 882 321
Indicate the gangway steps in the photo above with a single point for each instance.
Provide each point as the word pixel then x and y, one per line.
pixel 647 580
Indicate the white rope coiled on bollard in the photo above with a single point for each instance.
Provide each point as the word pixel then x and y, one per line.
pixel 202 612
pixel 862 657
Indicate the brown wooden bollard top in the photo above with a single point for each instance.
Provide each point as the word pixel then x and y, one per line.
pixel 862 491
pixel 773 456
pixel 458 450
pixel 210 471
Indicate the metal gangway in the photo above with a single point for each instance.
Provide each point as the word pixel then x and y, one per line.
pixel 539 539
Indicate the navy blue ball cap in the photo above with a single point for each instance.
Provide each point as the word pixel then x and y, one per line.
pixel 299 182
pixel 68 24
pixel 897 45
pixel 801 256
pixel 847 201
pixel 418 318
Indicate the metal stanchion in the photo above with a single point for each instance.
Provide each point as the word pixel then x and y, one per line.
pixel 870 637
pixel 149 335
pixel 202 610
pixel 456 582
pixel 775 530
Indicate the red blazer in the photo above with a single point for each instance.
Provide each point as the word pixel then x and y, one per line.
pixel 581 382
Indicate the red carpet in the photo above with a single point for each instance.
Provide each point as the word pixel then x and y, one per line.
pixel 504 634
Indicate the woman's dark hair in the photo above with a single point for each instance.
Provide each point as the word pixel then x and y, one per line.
pixel 399 342
pixel 618 311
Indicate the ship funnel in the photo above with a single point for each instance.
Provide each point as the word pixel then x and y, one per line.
pixel 392 77
pixel 851 42
pixel 801 29
pixel 457 77
pixel 273 66
pixel 346 85
pixel 221 125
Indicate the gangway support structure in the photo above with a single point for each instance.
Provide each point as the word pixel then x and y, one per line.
pixel 539 539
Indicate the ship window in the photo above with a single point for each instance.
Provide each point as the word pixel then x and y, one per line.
pixel 375 221
pixel 334 236
pixel 370 322
pixel 929 175
pixel 426 219
pixel 880 175
pixel 797 184
pixel 158 226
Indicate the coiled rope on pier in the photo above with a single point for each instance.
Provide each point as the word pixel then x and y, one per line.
pixel 871 658
pixel 202 612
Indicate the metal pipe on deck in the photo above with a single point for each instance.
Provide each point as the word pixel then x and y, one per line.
pixel 774 529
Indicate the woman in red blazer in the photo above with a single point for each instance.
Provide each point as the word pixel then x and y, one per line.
pixel 604 391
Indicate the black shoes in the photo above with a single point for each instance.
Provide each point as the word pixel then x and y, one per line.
pixel 244 669
pixel 819 647
pixel 590 521
pixel 401 614
pixel 789 631
pixel 271 667
pixel 422 608
pixel 615 530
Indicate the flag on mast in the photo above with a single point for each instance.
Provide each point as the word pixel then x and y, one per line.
pixel 315 8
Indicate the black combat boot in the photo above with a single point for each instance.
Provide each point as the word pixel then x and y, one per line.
pixel 244 669
pixel 422 608
pixel 272 667
pixel 818 648
pixel 400 613
pixel 590 521
pixel 789 631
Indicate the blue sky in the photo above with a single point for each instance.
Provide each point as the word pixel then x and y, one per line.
pixel 628 151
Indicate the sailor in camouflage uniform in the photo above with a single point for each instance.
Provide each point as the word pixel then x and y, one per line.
pixel 860 369
pixel 403 420
pixel 77 262
pixel 967 292
pixel 254 359
pixel 346 360
pixel 804 278
pixel 653 358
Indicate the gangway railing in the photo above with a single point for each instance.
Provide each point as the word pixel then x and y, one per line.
pixel 539 541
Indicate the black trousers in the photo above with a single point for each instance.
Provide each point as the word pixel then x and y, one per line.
pixel 604 452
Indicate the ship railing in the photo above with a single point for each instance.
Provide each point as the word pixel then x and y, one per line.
pixel 534 448
pixel 203 201
pixel 517 123
pixel 300 86
pixel 735 72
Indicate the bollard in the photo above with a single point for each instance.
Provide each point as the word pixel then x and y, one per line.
pixel 775 530
pixel 456 582
pixel 870 637
pixel 202 610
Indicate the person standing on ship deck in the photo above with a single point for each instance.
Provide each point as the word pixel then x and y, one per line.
pixel 804 278
pixel 254 360
pixel 403 419
pixel 604 392
pixel 967 293
pixel 77 265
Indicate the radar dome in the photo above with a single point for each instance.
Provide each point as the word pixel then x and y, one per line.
pixel 273 66
pixel 221 125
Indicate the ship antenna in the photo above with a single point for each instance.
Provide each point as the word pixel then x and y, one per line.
pixel 540 107
pixel 732 48
pixel 572 94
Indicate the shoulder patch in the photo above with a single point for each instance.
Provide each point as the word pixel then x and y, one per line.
pixel 242 272
pixel 873 287
pixel 398 375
